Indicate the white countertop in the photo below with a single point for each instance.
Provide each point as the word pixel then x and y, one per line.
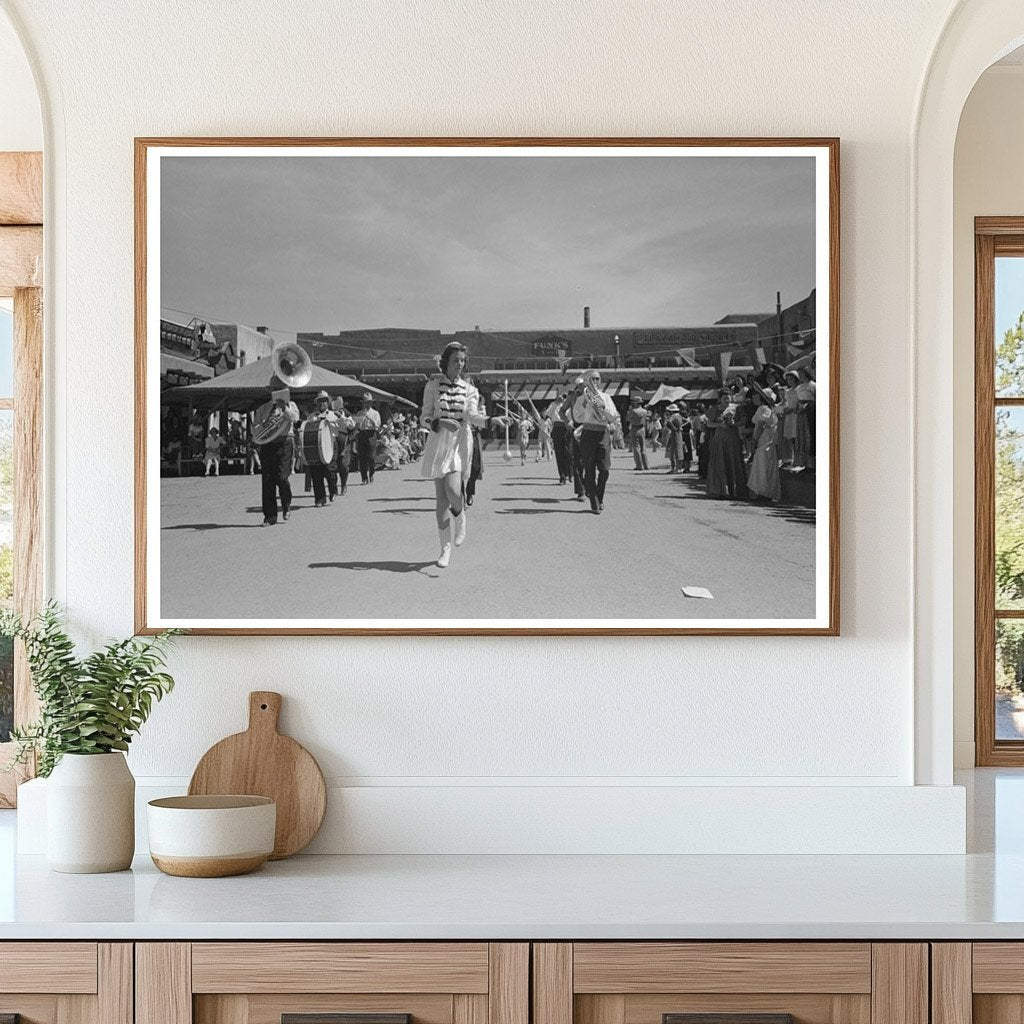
pixel 977 896
pixel 516 897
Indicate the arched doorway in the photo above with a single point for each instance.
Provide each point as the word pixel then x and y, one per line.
pixel 977 33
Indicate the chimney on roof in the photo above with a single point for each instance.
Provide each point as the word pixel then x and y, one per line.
pixel 586 316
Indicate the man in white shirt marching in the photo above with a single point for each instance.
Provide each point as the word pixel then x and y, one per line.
pixel 594 412
pixel 367 429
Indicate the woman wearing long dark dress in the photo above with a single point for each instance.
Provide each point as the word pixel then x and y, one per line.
pixel 727 474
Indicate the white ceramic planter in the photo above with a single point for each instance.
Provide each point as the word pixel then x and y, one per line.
pixel 90 814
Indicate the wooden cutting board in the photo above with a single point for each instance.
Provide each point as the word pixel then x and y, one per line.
pixel 262 762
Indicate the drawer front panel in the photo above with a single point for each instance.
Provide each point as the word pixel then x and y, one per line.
pixel 714 967
pixel 64 967
pixel 268 1009
pixel 310 967
pixel 805 1009
pixel 998 967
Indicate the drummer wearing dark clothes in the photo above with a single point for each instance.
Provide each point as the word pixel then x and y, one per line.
pixel 321 473
pixel 367 429
pixel 277 456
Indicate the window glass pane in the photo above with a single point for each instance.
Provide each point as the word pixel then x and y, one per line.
pixel 6 353
pixel 1009 679
pixel 1009 481
pixel 6 567
pixel 1009 317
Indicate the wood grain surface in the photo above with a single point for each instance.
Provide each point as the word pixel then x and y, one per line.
pixel 21 188
pixel 163 983
pixel 552 983
pixel 115 997
pixel 806 1008
pixel 951 983
pixel 899 993
pixel 271 1008
pixel 262 762
pixel 64 967
pixel 304 967
pixel 21 258
pixel 508 992
pixel 634 967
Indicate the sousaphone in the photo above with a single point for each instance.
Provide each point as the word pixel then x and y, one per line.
pixel 293 367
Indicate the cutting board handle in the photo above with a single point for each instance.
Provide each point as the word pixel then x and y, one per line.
pixel 264 710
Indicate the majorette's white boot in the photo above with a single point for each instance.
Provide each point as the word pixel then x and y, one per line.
pixel 459 523
pixel 446 548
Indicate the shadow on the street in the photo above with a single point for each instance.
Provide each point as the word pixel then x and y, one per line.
pixel 793 513
pixel 549 482
pixel 399 511
pixel 201 527
pixel 540 511
pixel 409 497
pixel 379 566
pixel 536 501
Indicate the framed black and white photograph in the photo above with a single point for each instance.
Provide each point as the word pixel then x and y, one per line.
pixel 496 386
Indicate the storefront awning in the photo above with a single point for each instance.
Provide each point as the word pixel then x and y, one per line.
pixel 182 367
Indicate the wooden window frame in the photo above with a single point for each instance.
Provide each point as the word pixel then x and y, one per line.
pixel 21 278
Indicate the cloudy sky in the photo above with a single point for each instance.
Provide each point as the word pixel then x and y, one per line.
pixel 343 242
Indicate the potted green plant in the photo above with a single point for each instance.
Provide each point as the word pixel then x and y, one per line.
pixel 89 710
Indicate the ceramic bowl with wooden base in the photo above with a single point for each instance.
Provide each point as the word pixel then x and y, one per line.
pixel 211 836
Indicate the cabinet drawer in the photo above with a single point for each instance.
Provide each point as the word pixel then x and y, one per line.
pixel 332 983
pixel 636 967
pixel 66 982
pixel 340 967
pixel 65 967
pixel 730 983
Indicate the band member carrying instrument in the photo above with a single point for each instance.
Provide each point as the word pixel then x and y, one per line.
pixel 321 473
pixel 274 422
pixel 595 412
pixel 367 429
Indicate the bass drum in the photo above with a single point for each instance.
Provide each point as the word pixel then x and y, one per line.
pixel 316 440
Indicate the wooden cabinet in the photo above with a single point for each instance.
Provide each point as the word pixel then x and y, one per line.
pixel 752 982
pixel 312 983
pixel 66 982
pixel 494 983
pixel 977 983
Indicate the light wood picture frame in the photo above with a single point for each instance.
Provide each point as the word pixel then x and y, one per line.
pixel 365 258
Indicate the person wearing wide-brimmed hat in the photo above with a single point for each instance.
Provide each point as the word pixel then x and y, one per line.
pixel 636 421
pixel 678 451
pixel 278 455
pixel 324 478
pixel 367 429
pixel 763 480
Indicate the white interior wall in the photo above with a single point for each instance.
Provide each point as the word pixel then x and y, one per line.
pixel 435 717
pixel 987 180
pixel 21 127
